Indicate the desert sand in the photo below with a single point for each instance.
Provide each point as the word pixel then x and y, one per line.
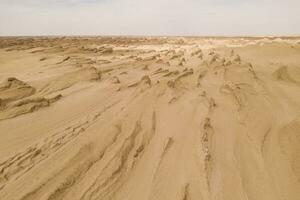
pixel 149 118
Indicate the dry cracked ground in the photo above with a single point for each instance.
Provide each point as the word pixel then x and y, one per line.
pixel 156 118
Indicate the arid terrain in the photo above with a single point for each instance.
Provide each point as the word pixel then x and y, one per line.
pixel 149 118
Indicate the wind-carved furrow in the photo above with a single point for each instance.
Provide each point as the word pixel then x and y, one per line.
pixel 112 176
pixel 172 73
pixel 200 77
pixel 147 138
pixel 15 168
pixel 78 166
pixel 98 114
pixel 21 163
pixel 82 169
pixel 166 146
pixel 160 71
pixel 263 143
pixel 168 143
pixel 187 72
pixel 77 175
pixel 145 81
pixel 153 128
pixel 251 70
pixel 185 192
pixel 141 87
pixel 207 133
pixel 209 102
pixel 69 181
pixel 233 91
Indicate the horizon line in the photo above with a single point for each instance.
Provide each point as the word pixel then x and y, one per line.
pixel 139 35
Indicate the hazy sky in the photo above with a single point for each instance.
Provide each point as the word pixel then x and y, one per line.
pixel 152 17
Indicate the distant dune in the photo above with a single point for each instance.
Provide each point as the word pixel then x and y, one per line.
pixel 149 118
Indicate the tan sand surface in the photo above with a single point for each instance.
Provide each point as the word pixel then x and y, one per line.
pixel 149 118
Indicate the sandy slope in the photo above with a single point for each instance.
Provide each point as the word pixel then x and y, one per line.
pixel 150 118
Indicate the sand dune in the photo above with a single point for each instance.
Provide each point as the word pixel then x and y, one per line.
pixel 153 118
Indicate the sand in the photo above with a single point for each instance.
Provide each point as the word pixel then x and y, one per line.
pixel 149 118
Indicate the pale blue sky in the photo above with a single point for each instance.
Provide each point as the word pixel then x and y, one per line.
pixel 155 17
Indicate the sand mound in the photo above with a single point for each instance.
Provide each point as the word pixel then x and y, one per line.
pixel 13 89
pixel 290 144
pixel 287 74
pixel 27 105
